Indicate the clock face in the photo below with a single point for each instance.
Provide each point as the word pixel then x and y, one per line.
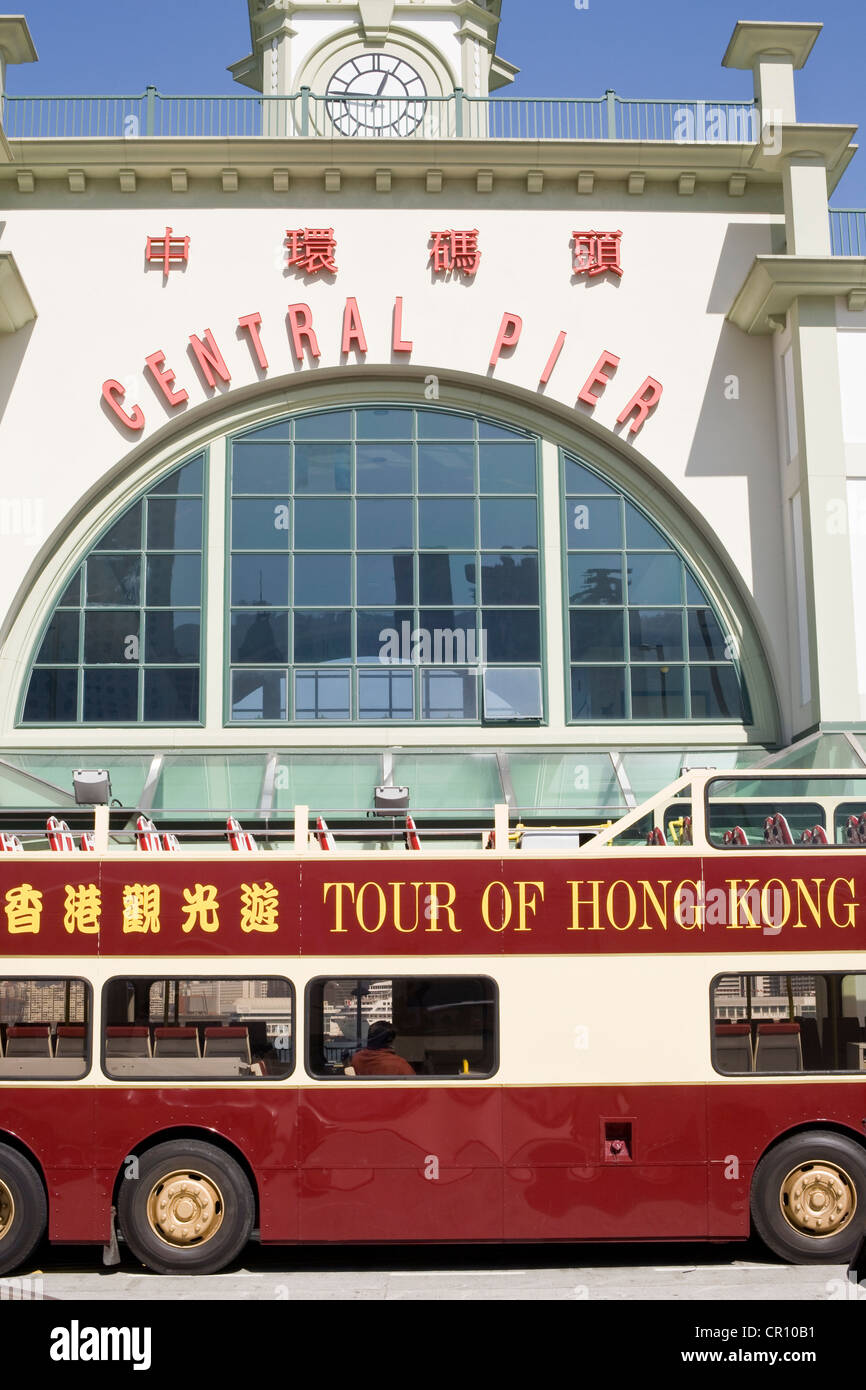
pixel 376 94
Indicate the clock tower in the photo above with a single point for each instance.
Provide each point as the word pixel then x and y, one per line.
pixel 399 51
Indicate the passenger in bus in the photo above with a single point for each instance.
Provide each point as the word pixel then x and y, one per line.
pixel 378 1057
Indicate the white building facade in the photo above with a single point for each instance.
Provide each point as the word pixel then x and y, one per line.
pixel 375 429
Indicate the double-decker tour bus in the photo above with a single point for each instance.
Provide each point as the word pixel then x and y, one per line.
pixel 653 1031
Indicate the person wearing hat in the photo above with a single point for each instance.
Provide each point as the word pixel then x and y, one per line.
pixel 377 1057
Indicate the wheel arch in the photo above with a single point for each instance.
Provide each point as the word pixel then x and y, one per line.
pixel 12 1141
pixel 812 1127
pixel 172 1133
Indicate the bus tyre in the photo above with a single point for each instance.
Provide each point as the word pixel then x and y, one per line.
pixel 189 1210
pixel 809 1198
pixel 23 1209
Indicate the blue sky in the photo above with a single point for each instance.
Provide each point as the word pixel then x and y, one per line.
pixel 641 48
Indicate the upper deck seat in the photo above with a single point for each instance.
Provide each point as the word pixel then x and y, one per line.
pixel 412 838
pixel 815 837
pixel 147 837
pixel 656 836
pixel 60 837
pixel 736 836
pixel 323 834
pixel 778 1047
pixel 240 839
pixel 28 1040
pixel 127 1040
pixel 855 830
pixel 176 1042
pixel 10 844
pixel 733 1046
pixel 230 1041
pixel 71 1040
pixel 777 830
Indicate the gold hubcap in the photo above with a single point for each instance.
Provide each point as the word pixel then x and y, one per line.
pixel 185 1209
pixel 818 1199
pixel 7 1210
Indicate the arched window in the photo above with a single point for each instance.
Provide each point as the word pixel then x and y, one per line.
pixel 123 645
pixel 644 641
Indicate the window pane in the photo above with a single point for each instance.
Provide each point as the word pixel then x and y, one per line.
pixel 508 523
pixel 597 635
pixel 72 593
pixel 325 424
pixel 323 579
pixel 509 579
pixel 579 479
pixel 260 695
pixel 488 430
pixel 174 525
pixel 384 579
pixel 512 634
pixel 199 1029
pixel 707 642
pixel 783 1023
pixel 125 534
pixel 111 636
pixel 656 634
pixel 448 637
pixel 174 580
pixel 595 578
pixel 259 580
pixel 386 695
pixel 446 468
pixel 261 468
pixel 383 468
pixel 183 480
pixel 323 636
pixel 640 532
pixel 113 578
pixel 446 523
pixel 716 693
pixel 598 692
pixel 323 468
pixel 322 525
pixel 512 692
pixel 60 642
pixel 654 578
pixel 411 1026
pixel 384 520
pixel 52 697
pixel 449 694
pixel 594 523
pixel 447 578
pixel 508 467
pixel 111 696
pixel 174 636
pixel 260 525
pixel 384 424
pixel 260 637
pixel 46 1024
pixel 171 696
pixel 382 636
pixel 657 692
pixel 322 695
pixel 440 424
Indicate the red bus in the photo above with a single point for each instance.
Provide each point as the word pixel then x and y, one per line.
pixel 655 1032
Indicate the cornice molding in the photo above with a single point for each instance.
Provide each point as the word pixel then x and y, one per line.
pixel 16 306
pixel 775 282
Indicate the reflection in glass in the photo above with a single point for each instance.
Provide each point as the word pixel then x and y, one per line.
pixel 595 579
pixel 386 695
pixel 259 695
pixel 322 695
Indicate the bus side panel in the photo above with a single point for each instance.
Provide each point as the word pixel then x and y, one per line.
pixel 260 1121
pixel 744 1118
pixel 564 1180
pixel 58 1126
pixel 392 1162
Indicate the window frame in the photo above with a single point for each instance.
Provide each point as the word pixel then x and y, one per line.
pixel 88 1058
pixel 806 1075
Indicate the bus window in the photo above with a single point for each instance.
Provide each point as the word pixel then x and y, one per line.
pixel 44 1029
pixel 415 1026
pixel 789 1023
pixel 213 1029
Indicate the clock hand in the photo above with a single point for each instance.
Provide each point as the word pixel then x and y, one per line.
pixel 382 85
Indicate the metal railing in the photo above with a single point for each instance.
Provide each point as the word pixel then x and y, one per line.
pixel 848 231
pixel 452 117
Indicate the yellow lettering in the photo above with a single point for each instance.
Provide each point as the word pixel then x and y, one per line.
pixel 525 904
pixel 577 902
pixel 831 903
pixel 689 895
pixel 338 902
pixel 359 906
pixel 506 906
pixel 814 904
pixel 660 908
pixel 439 907
pixel 632 904
pixel 398 897
pixel 742 903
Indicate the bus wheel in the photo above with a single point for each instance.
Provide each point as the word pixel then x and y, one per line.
pixel 809 1198
pixel 190 1210
pixel 23 1209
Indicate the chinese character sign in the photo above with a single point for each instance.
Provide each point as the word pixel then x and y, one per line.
pixel 596 252
pixel 455 252
pixel 312 249
pixel 170 250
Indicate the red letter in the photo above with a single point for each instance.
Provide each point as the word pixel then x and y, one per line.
pixel 164 379
pixel 597 378
pixel 208 356
pixel 301 326
pixel 509 332
pixel 643 403
pixel 251 323
pixel 552 359
pixel 398 342
pixel 113 393
pixel 353 327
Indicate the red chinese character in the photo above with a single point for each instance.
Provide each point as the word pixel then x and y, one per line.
pixel 455 251
pixel 312 249
pixel 171 250
pixel 596 252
